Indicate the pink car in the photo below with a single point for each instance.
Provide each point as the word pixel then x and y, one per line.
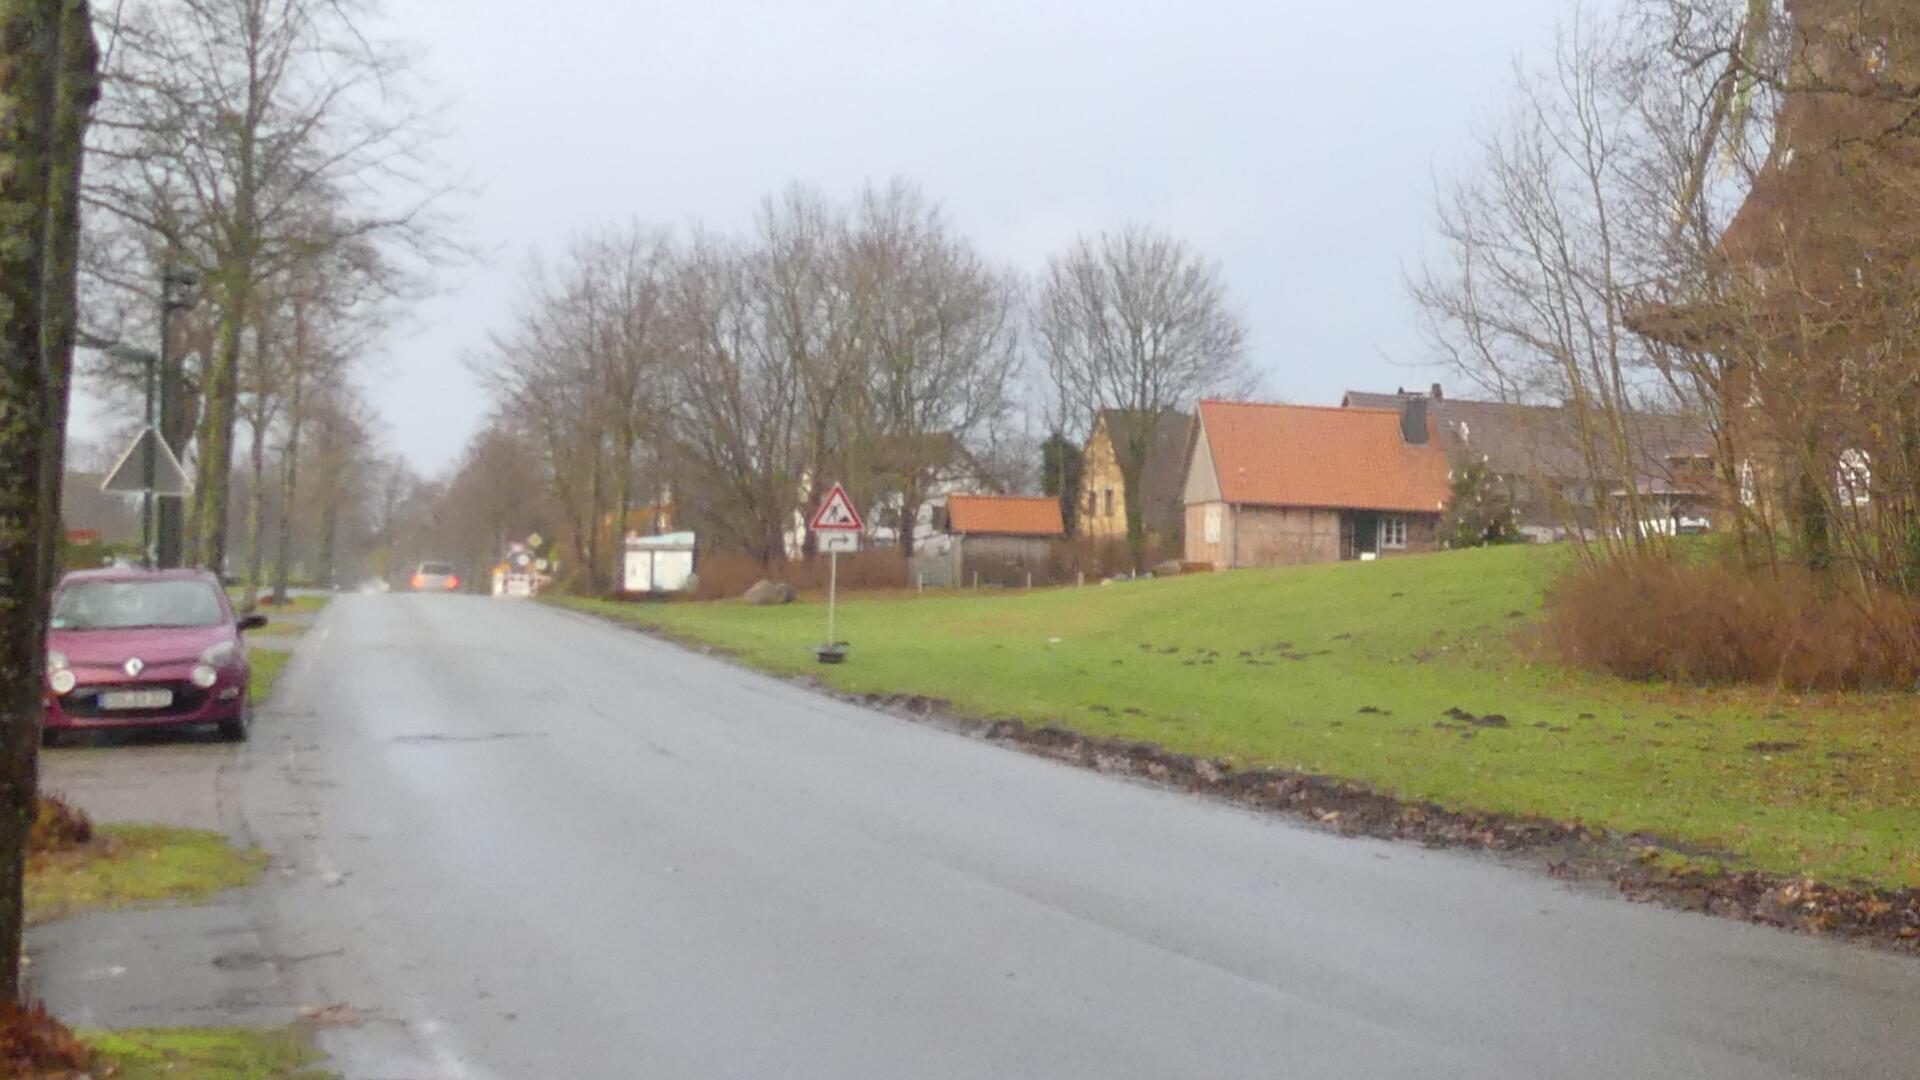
pixel 145 649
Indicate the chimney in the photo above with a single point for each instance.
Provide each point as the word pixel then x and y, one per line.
pixel 1413 421
pixel 1437 395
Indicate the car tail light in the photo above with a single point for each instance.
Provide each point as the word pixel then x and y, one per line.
pixel 452 583
pixel 419 582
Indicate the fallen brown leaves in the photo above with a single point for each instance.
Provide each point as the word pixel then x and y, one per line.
pixel 33 1043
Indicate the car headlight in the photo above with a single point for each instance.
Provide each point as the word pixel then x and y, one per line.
pixel 204 676
pixel 60 677
pixel 219 656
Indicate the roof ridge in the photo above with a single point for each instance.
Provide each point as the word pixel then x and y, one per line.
pixel 1291 405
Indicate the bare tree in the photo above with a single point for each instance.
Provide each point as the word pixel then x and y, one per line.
pixel 939 328
pixel 1137 321
pixel 225 123
pixel 737 401
pixel 48 81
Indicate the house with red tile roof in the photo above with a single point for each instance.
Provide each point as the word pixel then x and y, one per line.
pixel 1270 485
pixel 993 540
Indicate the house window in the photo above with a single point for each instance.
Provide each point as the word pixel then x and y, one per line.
pixel 1393 531
pixel 1855 478
pixel 1093 503
pixel 1109 502
pixel 1212 528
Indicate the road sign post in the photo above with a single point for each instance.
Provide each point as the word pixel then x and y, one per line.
pixel 836 527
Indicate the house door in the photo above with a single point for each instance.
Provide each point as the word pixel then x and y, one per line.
pixel 1360 534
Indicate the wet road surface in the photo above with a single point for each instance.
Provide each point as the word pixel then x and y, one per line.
pixel 521 843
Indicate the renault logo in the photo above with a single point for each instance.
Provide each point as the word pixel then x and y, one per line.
pixel 134 667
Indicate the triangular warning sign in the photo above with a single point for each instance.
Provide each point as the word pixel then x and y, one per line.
pixel 130 472
pixel 836 513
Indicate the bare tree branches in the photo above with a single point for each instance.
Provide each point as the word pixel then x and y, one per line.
pixel 1136 321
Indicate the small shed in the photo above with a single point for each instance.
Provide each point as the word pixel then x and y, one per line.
pixel 996 540
pixel 658 564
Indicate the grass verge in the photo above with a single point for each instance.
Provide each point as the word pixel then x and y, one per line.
pixel 1409 675
pixel 279 628
pixel 264 667
pixel 130 865
pixel 306 603
pixel 204 1054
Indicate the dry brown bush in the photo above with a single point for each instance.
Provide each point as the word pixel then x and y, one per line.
pixel 1652 617
pixel 58 825
pixel 1102 558
pixel 726 575
pixel 33 1043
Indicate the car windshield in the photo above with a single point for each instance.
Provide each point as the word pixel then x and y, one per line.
pixel 436 568
pixel 113 605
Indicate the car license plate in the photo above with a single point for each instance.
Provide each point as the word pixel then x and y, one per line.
pixel 136 699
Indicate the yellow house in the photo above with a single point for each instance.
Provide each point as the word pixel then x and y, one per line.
pixel 1103 490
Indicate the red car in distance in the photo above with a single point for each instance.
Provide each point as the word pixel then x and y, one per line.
pixel 145 649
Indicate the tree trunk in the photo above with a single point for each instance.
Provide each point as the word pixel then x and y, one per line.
pixel 256 511
pixel 217 425
pixel 289 485
pixel 47 79
pixel 1133 465
pixel 329 525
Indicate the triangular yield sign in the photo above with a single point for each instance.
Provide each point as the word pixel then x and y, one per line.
pixel 836 513
pixel 130 472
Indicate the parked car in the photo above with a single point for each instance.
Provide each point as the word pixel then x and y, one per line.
pixel 435 577
pixel 146 649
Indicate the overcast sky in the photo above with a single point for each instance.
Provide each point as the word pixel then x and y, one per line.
pixel 1296 143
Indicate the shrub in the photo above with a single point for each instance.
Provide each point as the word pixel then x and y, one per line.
pixel 1104 558
pixel 33 1043
pixel 58 825
pixel 726 575
pixel 1710 622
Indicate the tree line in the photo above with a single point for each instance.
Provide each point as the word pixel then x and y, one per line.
pixel 270 154
pixel 864 341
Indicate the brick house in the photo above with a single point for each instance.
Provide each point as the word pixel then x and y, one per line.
pixel 993 539
pixel 1103 489
pixel 1271 485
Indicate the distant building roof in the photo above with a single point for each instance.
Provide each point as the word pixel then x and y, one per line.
pixel 1165 474
pixel 1005 515
pixel 1334 458
pixel 1542 440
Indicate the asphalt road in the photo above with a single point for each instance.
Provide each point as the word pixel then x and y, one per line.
pixel 523 844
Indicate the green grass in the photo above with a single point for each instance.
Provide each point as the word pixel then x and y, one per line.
pixel 204 1054
pixel 304 604
pixel 264 667
pixel 130 865
pixel 1410 638
pixel 279 628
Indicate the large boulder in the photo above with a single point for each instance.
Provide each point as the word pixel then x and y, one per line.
pixel 767 593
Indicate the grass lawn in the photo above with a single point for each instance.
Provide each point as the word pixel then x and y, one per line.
pixel 305 603
pixel 128 865
pixel 1347 670
pixel 279 627
pixel 203 1054
pixel 264 667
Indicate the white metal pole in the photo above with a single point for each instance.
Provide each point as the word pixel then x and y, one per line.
pixel 833 589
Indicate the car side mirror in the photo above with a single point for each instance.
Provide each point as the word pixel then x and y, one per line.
pixel 252 622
